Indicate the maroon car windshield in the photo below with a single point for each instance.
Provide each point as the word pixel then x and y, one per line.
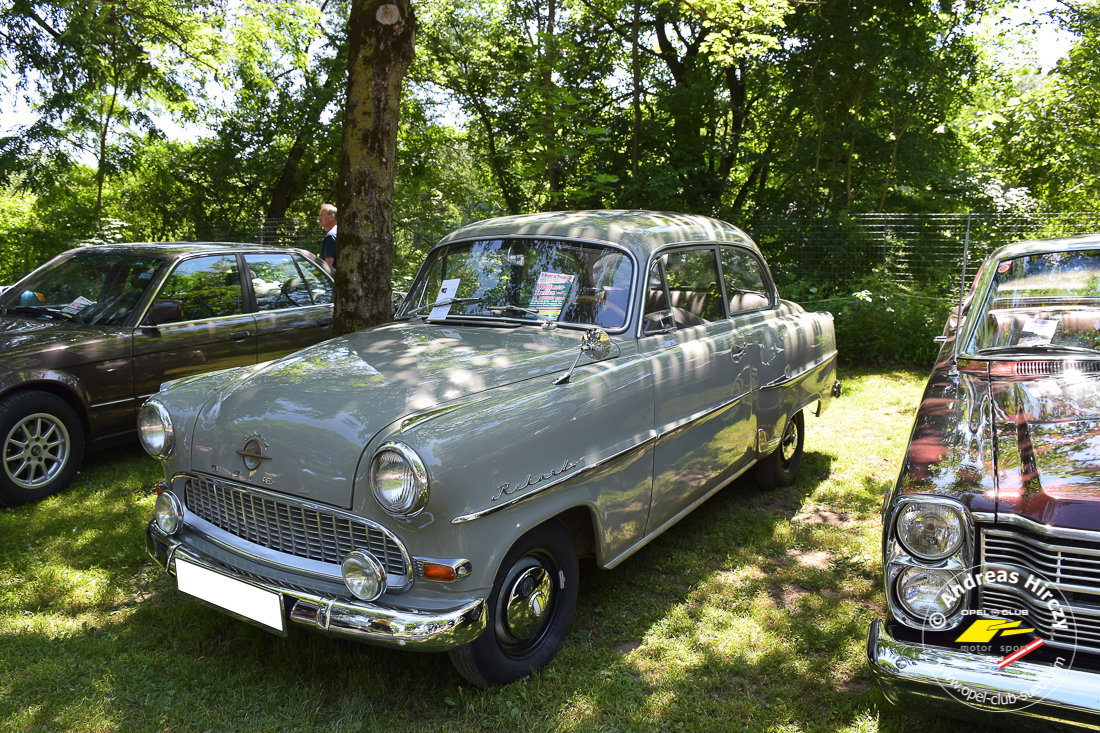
pixel 86 287
pixel 1044 302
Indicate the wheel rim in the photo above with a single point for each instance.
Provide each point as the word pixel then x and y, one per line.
pixel 789 445
pixel 527 604
pixel 36 451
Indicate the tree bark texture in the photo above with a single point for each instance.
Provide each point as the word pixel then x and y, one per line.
pixel 381 44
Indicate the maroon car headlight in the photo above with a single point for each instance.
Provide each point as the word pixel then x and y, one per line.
pixel 922 592
pixel 155 429
pixel 399 480
pixel 930 531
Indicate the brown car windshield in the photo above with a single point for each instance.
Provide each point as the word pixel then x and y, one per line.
pixel 533 280
pixel 1042 302
pixel 100 288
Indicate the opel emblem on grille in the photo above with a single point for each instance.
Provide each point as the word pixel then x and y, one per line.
pixel 253 452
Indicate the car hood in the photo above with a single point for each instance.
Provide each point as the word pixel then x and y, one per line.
pixel 1048 447
pixel 314 412
pixel 18 333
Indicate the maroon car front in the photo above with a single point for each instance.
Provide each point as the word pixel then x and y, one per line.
pixel 991 535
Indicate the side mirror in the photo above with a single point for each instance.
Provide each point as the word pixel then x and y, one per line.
pixel 596 343
pixel 164 311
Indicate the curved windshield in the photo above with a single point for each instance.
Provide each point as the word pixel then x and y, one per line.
pixel 1047 301
pixel 85 287
pixel 537 280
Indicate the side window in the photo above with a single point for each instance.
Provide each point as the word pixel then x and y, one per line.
pixel 320 287
pixel 277 282
pixel 693 290
pixel 744 280
pixel 204 287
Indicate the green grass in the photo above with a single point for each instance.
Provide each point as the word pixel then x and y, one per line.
pixel 751 614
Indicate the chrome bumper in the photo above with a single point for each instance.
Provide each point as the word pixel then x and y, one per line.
pixel 914 676
pixel 373 623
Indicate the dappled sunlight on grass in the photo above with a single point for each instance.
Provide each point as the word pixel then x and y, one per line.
pixel 750 614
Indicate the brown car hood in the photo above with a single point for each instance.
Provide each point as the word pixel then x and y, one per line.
pixel 1048 447
pixel 316 411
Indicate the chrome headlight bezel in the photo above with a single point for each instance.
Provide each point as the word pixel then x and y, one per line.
pixel 945 577
pixel 908 527
pixel 155 429
pixel 411 498
pixel 168 512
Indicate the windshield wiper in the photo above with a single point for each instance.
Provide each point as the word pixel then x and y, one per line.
pixel 48 312
pixel 1040 347
pixel 419 312
pixel 549 322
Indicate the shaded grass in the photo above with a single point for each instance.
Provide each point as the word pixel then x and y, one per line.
pixel 751 614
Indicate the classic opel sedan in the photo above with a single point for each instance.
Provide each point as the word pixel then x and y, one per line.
pixel 992 532
pixel 554 385
pixel 88 336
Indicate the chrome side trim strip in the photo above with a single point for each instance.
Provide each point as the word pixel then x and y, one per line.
pixel 567 477
pixel 785 380
pixel 984 516
pixel 414 421
pixel 1045 529
pixel 683 513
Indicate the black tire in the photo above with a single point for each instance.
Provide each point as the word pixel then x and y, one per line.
pixel 41 446
pixel 780 467
pixel 539 572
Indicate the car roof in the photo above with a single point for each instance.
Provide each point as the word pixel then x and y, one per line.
pixel 640 231
pixel 176 249
pixel 1039 246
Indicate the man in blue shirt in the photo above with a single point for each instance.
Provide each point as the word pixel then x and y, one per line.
pixel 327 219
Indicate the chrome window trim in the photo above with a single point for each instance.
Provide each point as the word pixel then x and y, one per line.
pixel 543 487
pixel 765 271
pixel 657 255
pixel 634 276
pixel 1046 529
pixel 173 265
pixel 286 499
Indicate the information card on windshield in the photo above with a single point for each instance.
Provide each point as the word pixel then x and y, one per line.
pixel 551 290
pixel 447 291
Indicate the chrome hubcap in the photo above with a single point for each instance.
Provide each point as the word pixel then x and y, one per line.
pixel 528 599
pixel 790 442
pixel 36 450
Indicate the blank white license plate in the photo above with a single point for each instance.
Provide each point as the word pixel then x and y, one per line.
pixel 262 606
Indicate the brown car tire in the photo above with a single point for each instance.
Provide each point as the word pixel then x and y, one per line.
pixel 529 610
pixel 41 446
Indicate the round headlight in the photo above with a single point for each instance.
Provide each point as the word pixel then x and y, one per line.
pixel 363 575
pixel 168 512
pixel 930 531
pixel 921 592
pixel 155 429
pixel 399 480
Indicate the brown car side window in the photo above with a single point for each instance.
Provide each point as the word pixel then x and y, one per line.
pixel 744 279
pixel 203 287
pixel 277 282
pixel 320 287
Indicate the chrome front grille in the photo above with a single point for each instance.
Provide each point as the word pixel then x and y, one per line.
pixel 1071 566
pixel 295 528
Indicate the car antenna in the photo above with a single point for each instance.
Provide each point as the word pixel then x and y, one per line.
pixel 954 372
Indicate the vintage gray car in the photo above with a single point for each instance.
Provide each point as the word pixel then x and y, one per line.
pixel 554 385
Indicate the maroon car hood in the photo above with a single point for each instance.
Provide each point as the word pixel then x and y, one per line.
pixel 1048 449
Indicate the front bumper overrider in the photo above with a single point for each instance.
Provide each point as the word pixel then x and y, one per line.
pixel 917 676
pixel 373 622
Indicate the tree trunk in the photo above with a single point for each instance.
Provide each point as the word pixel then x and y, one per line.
pixel 381 45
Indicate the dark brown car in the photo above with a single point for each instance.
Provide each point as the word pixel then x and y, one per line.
pixel 991 547
pixel 89 335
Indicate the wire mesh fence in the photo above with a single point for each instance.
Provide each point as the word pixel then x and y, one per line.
pixel 913 250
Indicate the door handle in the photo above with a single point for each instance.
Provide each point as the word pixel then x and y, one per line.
pixel 240 335
pixel 737 353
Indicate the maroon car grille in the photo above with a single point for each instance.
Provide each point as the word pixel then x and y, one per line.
pixel 1039 368
pixel 1071 566
pixel 292 528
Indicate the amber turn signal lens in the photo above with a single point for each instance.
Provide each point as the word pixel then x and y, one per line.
pixel 435 571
